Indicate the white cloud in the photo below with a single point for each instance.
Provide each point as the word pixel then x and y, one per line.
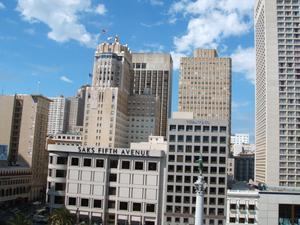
pixel 243 62
pixel 62 17
pixel 2 6
pixel 176 59
pixel 66 79
pixel 210 22
pixel 101 9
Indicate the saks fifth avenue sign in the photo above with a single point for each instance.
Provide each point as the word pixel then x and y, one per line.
pixel 113 151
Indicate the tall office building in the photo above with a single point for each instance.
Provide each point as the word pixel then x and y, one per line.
pixel 76 110
pixel 205 85
pixel 106 107
pixel 202 127
pixel 153 73
pixel 188 139
pixel 277 42
pixel 23 129
pixel 58 115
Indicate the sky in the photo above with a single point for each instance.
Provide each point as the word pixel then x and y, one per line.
pixel 47 47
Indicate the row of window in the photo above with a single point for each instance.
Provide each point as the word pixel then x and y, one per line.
pixel 198 128
pixel 197 149
pixel 197 139
pixel 100 163
pixel 98 203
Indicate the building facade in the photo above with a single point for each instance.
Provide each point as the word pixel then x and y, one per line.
pixel 240 139
pixel 205 85
pixel 106 106
pixel 23 128
pixel 268 207
pixel 244 167
pixel 76 110
pixel 144 117
pixel 108 185
pixel 153 75
pixel 58 115
pixel 277 91
pixel 188 139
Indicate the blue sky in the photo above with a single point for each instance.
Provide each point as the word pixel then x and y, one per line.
pixel 48 46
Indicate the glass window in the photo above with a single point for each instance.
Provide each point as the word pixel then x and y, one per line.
pixel 136 206
pixel 113 163
pixel 72 201
pixel 113 177
pixel 123 206
pixel 125 164
pixel 61 173
pixel 87 162
pixel 152 166
pixel 62 160
pixel 97 203
pixel 150 208
pixel 139 165
pixel 75 161
pixel 100 163
pixel 85 202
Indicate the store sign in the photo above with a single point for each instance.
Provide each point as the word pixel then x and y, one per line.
pixel 113 151
pixel 3 152
pixel 198 122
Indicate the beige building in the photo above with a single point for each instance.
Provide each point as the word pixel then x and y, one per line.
pixel 23 128
pixel 106 106
pixel 144 117
pixel 108 185
pixel 277 46
pixel 153 74
pixel 205 85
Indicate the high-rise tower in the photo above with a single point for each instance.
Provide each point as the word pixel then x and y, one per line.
pixel 153 74
pixel 277 42
pixel 106 106
pixel 205 85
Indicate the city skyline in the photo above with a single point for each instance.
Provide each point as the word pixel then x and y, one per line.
pixel 64 59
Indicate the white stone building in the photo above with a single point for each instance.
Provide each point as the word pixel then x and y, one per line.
pixel 108 185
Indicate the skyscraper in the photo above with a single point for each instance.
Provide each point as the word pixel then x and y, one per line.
pixel 106 107
pixel 277 43
pixel 76 110
pixel 205 85
pixel 23 128
pixel 153 74
pixel 201 128
pixel 58 115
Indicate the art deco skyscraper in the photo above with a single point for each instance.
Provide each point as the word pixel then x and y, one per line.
pixel 277 42
pixel 153 74
pixel 205 85
pixel 106 106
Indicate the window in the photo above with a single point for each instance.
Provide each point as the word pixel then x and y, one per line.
pixel 85 202
pixel 136 206
pixel 205 139
pixel 60 173
pixel 62 160
pixel 111 204
pixel 205 128
pixel 50 172
pixel 123 206
pixel 112 190
pixel 125 164
pixel 150 208
pixel 87 162
pixel 113 177
pixel 100 163
pixel 51 159
pixel 139 165
pixel 223 140
pixel 74 161
pixel 60 186
pixel 113 163
pixel 152 166
pixel 97 203
pixel 72 201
